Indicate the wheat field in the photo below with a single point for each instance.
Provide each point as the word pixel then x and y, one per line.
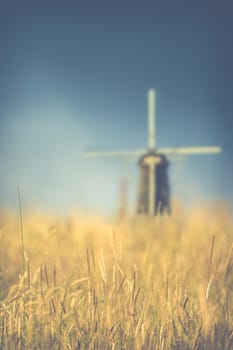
pixel 89 282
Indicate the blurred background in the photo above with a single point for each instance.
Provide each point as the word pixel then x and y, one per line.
pixel 74 75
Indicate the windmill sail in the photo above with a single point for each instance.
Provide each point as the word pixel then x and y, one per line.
pixel 191 150
pixel 151 118
pixel 123 153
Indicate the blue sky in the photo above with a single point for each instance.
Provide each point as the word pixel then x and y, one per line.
pixel 75 75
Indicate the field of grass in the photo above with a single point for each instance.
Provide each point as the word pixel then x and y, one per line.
pixel 85 282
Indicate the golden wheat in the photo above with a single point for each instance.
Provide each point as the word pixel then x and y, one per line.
pixel 92 283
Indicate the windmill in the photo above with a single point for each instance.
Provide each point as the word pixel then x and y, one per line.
pixel 154 191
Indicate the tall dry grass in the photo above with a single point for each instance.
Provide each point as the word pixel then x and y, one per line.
pixel 143 283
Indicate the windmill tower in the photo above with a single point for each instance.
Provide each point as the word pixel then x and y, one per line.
pixel 154 191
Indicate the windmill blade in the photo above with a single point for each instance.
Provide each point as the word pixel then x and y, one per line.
pixel 123 153
pixel 191 150
pixel 151 118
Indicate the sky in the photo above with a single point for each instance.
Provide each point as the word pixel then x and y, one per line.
pixel 74 75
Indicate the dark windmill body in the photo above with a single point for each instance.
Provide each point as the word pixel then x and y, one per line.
pixel 161 198
pixel 154 189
